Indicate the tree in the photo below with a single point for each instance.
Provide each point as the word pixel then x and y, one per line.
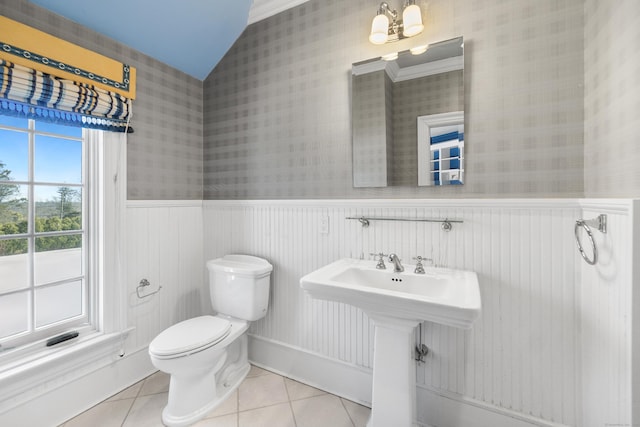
pixel 7 190
pixel 66 196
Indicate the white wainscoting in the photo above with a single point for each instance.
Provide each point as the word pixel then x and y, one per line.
pixel 607 318
pixel 525 359
pixel 164 246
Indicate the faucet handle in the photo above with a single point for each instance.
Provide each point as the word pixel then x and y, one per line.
pixel 419 267
pixel 380 265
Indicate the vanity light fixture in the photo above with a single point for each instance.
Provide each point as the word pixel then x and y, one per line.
pixel 383 30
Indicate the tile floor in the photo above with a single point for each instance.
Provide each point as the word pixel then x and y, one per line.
pixel 263 399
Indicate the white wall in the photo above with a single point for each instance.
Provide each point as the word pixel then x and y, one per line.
pixel 164 246
pixel 607 317
pixel 553 346
pixel 531 356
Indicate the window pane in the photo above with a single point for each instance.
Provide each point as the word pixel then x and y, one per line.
pixel 60 302
pixel 13 209
pixel 58 258
pixel 58 160
pixel 58 208
pixel 14 309
pixel 14 265
pixel 73 131
pixel 18 122
pixel 14 155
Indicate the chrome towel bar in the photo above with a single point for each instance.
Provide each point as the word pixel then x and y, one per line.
pixel 599 223
pixel 446 222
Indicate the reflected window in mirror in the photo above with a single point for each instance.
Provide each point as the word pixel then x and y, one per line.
pixel 441 149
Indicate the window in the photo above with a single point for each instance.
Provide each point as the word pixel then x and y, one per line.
pixel 45 281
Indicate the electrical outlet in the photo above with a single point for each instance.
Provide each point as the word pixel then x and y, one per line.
pixel 324 224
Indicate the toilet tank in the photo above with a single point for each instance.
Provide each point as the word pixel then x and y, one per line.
pixel 239 286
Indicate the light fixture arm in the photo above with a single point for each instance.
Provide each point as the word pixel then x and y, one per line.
pixel 385 9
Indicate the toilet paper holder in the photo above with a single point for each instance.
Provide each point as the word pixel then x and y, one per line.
pixel 143 284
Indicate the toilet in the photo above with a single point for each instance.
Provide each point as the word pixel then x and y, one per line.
pixel 207 356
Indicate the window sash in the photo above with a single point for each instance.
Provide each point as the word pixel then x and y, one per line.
pixel 35 332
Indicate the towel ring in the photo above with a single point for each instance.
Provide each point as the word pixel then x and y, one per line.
pixel 582 223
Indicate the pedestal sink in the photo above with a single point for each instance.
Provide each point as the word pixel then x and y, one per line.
pixel 397 303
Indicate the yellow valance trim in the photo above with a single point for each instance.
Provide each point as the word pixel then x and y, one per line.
pixel 43 52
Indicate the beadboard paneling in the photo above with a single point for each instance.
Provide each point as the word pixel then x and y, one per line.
pixel 525 354
pixel 164 245
pixel 606 324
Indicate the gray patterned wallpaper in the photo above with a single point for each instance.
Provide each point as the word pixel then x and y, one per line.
pixel 389 126
pixel 372 117
pixel 612 98
pixel 277 107
pixel 164 155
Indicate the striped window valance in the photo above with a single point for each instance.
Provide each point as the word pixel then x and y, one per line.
pixel 46 78
pixel 33 94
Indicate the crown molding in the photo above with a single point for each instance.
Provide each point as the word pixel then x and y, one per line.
pixel 261 9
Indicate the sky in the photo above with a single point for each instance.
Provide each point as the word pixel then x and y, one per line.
pixel 57 161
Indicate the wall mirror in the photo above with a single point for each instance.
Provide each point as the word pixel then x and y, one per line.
pixel 408 117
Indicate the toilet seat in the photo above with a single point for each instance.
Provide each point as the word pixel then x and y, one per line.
pixel 190 336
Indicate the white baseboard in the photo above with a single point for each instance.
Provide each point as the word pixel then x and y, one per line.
pixel 334 376
pixel 450 410
pixel 59 405
pixel 354 383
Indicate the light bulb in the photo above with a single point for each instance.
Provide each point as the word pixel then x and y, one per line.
pixel 412 21
pixel 379 30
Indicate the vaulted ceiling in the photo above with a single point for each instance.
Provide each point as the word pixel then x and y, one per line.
pixel 190 35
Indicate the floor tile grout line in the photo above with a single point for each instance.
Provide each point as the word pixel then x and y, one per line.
pixel 262 407
pixel 238 405
pixel 144 381
pixel 293 414
pixel 133 401
pixel 347 411
pixel 289 399
pixel 142 385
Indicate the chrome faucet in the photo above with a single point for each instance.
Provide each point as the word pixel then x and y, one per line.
pixel 397 267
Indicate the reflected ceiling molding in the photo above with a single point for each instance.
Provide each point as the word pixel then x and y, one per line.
pixel 397 74
pixel 419 61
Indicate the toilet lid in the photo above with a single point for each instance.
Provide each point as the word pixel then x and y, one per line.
pixel 203 331
pixel 242 265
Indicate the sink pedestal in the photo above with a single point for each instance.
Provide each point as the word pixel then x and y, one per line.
pixel 397 303
pixel 393 402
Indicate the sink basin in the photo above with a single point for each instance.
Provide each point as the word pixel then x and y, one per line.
pixel 441 295
pixel 397 303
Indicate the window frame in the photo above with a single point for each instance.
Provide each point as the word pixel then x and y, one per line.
pixel 88 322
pixel 31 373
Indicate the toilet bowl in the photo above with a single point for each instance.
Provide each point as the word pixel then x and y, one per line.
pixel 206 356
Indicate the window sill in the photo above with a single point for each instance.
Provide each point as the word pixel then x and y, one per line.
pixel 22 380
